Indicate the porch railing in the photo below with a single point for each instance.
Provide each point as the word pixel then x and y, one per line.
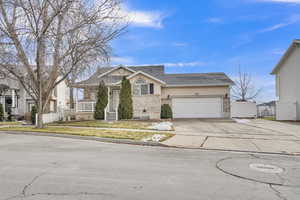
pixel 85 106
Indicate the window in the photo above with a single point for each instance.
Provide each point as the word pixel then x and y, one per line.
pixel 144 89
pixel 151 89
pixel 141 87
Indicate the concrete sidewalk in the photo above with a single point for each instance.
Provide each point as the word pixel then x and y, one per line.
pixel 255 136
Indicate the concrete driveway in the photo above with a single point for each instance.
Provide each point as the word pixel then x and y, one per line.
pixel 246 135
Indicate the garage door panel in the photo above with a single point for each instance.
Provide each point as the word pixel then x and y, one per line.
pixel 197 107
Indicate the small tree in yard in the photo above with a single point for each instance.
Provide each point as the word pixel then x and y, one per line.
pixel 1 112
pixel 244 88
pixel 33 114
pixel 166 112
pixel 102 100
pixel 125 108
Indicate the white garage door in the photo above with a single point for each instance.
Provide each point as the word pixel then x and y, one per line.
pixel 197 107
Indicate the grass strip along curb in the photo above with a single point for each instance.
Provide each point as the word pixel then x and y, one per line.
pixel 112 134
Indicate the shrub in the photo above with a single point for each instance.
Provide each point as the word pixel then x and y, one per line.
pixel 1 112
pixel 166 112
pixel 33 114
pixel 125 109
pixel 102 100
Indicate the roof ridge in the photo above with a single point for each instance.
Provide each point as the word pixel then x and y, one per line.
pixel 212 73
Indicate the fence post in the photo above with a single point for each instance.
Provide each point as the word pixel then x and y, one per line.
pixel 36 119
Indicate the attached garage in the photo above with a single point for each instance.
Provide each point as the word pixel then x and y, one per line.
pixel 197 107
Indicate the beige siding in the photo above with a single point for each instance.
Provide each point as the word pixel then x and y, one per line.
pixel 157 85
pixel 218 91
pixel 147 106
pixel 120 72
pixel 195 91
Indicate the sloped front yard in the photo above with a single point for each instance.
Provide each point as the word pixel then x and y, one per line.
pixel 130 135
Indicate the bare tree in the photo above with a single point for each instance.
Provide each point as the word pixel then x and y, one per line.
pixel 244 88
pixel 43 41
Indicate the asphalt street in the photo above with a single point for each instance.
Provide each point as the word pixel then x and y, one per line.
pixel 42 168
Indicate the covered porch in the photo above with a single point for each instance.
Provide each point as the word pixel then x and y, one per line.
pixel 86 102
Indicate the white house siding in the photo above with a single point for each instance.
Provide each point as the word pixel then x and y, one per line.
pixel 288 83
pixel 63 95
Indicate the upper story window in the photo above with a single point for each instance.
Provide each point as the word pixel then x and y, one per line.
pixel 2 75
pixel 141 87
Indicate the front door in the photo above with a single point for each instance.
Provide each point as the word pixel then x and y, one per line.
pixel 114 100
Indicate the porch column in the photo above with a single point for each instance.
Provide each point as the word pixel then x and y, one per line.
pixel 76 100
pixel 108 96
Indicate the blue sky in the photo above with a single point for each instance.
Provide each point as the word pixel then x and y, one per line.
pixel 210 36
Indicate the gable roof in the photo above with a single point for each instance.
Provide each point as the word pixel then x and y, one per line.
pixel 285 56
pixel 147 75
pixel 157 72
pixel 114 69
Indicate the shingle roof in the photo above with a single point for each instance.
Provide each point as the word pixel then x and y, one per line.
pixel 198 79
pixel 158 72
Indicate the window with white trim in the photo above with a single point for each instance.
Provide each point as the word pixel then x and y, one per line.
pixel 141 87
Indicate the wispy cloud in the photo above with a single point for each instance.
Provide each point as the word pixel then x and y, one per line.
pixel 179 44
pixel 122 60
pixel 180 64
pixel 277 52
pixel 153 19
pixel 291 20
pixel 215 20
pixel 280 1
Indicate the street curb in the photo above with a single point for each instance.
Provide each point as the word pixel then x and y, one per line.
pixel 140 143
pixel 91 138
pixel 237 151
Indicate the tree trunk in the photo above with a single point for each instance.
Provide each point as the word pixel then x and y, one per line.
pixel 40 123
pixel 72 98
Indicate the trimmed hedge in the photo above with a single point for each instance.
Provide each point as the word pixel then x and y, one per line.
pixel 102 100
pixel 1 112
pixel 166 112
pixel 33 114
pixel 125 109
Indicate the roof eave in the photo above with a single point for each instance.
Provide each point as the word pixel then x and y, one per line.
pixel 115 68
pixel 198 85
pixel 147 75
pixel 285 55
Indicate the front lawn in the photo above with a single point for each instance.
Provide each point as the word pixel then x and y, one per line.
pixel 10 123
pixel 269 118
pixel 102 124
pixel 131 135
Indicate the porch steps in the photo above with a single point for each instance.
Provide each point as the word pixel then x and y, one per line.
pixel 111 116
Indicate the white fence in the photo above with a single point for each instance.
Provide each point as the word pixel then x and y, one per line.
pixel 61 114
pixel 243 110
pixel 85 106
pixel 286 111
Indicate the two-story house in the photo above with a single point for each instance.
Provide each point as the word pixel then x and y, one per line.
pixel 287 73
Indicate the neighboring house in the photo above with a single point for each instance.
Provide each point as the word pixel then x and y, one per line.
pixel 287 73
pixel 266 109
pixel 204 95
pixel 18 102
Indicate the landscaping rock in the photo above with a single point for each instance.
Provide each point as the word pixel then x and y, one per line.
pixel 163 126
pixel 243 121
pixel 154 138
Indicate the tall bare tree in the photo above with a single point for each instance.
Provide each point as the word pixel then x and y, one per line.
pixel 244 88
pixel 42 42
